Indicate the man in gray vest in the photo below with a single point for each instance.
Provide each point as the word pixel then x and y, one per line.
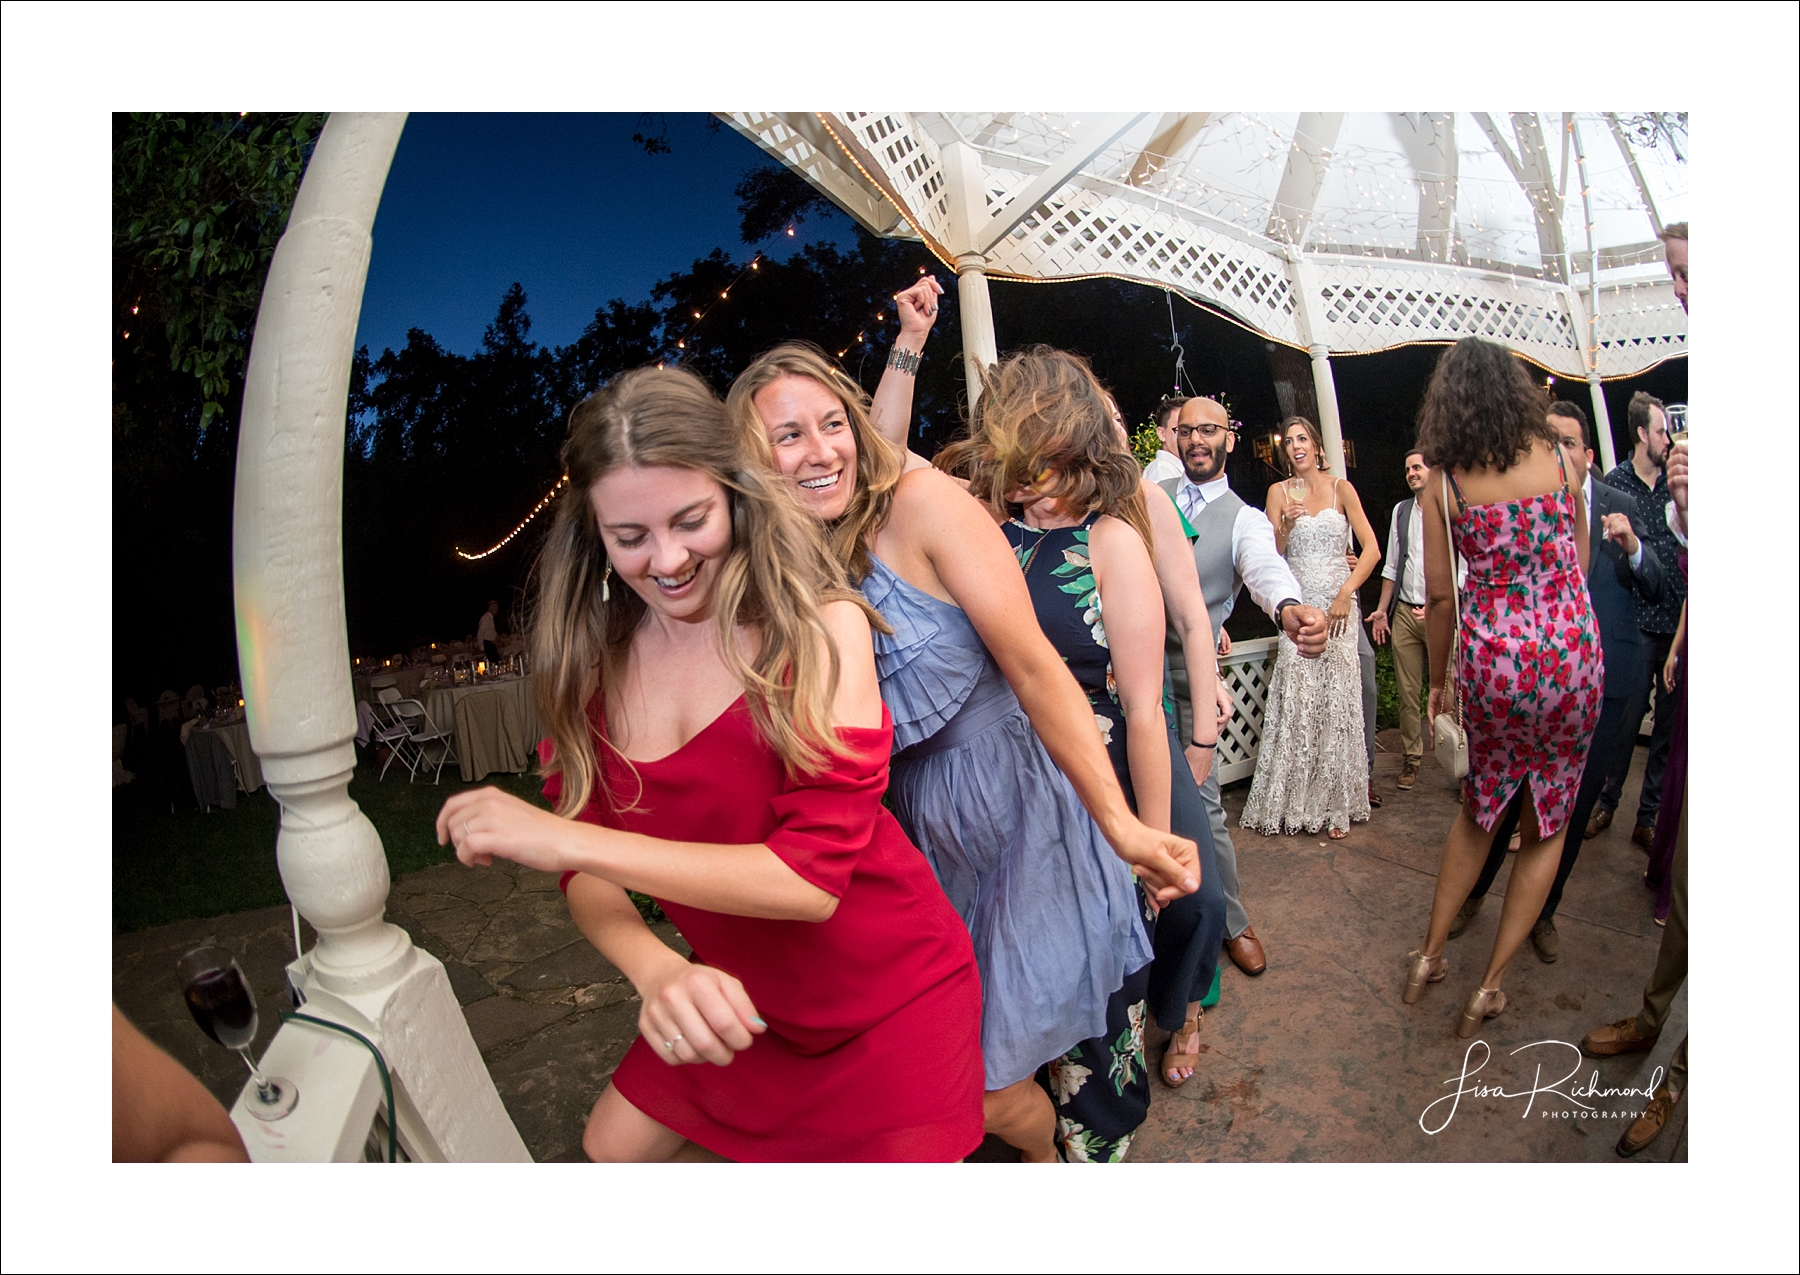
pixel 1401 612
pixel 1234 545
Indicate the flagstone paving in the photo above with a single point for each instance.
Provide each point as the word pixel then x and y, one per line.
pixel 1316 1060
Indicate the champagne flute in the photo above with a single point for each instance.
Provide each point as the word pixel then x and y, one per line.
pixel 220 999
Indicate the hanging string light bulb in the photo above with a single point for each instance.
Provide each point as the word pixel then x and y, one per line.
pixel 523 523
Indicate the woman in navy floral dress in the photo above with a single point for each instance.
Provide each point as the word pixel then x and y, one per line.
pixel 1528 669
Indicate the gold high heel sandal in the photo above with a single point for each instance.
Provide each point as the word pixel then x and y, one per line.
pixel 1176 1054
pixel 1484 1003
pixel 1424 969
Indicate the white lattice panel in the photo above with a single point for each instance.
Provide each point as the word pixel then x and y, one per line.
pixel 1246 672
pixel 908 160
pixel 1639 325
pixel 1368 306
pixel 1082 231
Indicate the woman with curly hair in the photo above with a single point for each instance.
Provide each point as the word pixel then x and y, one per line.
pixel 721 744
pixel 1046 457
pixel 1527 674
pixel 999 775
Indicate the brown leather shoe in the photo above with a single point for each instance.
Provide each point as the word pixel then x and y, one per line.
pixel 1644 1129
pixel 1374 797
pixel 1643 835
pixel 1246 952
pixel 1466 913
pixel 1599 821
pixel 1622 1037
pixel 1409 772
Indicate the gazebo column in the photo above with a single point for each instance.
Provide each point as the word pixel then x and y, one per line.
pixel 1602 423
pixel 1325 390
pixel 977 317
pixel 287 569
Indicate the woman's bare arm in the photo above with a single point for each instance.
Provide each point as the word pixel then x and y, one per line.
pixel 1132 612
pixel 1440 580
pixel 1185 608
pixel 1368 555
pixel 891 409
pixel 976 568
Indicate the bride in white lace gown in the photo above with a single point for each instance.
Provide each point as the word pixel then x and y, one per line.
pixel 1311 768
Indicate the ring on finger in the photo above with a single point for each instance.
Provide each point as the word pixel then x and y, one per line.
pixel 670 1044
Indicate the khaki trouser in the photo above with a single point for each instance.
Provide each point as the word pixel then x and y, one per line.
pixel 1408 637
pixel 1671 959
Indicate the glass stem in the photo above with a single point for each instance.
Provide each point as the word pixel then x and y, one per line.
pixel 264 1089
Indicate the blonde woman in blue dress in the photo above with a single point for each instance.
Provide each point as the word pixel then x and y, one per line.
pixel 1311 768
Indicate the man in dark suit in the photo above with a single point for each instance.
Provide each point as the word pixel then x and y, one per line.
pixel 1623 571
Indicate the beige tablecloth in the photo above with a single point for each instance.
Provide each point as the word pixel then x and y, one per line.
pixel 406 681
pixel 495 723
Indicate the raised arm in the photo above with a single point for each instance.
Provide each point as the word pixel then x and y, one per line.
pixel 891 408
pixel 1132 607
pixel 977 569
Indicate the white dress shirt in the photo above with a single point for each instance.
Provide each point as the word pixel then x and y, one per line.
pixel 1253 551
pixel 1163 468
pixel 1412 583
pixel 484 628
pixel 1587 499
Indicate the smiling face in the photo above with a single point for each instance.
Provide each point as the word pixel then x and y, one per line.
pixel 1415 471
pixel 812 442
pixel 1204 450
pixel 1302 455
pixel 667 533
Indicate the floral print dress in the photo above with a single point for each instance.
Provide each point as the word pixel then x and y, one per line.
pixel 1101 1087
pixel 1528 656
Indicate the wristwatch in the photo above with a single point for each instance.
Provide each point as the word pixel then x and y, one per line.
pixel 1280 608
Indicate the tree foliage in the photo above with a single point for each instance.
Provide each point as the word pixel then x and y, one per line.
pixel 199 203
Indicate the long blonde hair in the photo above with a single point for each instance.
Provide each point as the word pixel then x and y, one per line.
pixel 878 465
pixel 1041 410
pixel 776 577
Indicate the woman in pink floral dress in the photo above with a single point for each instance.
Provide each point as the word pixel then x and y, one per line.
pixel 1528 666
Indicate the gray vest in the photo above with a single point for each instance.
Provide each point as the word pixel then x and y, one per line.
pixel 1219 585
pixel 1402 528
pixel 1219 578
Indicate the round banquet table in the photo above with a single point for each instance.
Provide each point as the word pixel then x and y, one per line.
pixel 495 724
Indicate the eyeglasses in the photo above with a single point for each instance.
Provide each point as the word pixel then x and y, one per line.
pixel 1209 431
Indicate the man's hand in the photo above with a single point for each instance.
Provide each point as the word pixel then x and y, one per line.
pixel 1617 528
pixel 1677 471
pixel 1307 628
pixel 1378 628
pixel 1224 641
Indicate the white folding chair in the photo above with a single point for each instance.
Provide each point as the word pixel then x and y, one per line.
pixel 422 732
pixel 393 732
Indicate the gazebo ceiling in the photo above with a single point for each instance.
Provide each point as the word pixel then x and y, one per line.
pixel 1350 232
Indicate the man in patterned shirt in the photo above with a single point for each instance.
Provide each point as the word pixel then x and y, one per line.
pixel 1641 477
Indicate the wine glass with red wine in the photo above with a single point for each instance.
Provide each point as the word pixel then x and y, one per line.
pixel 219 997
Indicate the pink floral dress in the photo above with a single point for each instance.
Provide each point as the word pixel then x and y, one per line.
pixel 1528 663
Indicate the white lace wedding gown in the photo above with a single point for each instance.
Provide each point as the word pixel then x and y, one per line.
pixel 1311 770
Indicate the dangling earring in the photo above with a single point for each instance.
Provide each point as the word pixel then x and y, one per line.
pixel 605 587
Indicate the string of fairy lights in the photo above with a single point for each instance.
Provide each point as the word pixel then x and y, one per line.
pixel 682 344
pixel 524 522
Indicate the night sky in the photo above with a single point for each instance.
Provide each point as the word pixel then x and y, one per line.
pixel 567 205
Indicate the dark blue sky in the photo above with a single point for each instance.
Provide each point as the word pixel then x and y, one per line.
pixel 567 205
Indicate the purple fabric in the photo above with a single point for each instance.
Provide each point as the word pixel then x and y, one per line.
pixel 1674 788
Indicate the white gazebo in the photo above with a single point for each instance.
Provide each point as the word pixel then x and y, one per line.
pixel 1332 233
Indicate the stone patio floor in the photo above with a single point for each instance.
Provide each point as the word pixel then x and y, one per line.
pixel 1316 1060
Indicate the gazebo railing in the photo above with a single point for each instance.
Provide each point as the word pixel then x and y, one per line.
pixel 1246 673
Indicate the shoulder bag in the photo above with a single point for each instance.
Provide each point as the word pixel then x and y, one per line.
pixel 1450 742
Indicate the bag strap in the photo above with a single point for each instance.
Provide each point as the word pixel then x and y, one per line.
pixel 1455 593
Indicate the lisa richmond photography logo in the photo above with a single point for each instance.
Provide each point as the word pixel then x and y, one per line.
pixel 1564 1098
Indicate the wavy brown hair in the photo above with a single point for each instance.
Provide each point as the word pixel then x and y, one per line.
pixel 1482 410
pixel 1042 411
pixel 1312 432
pixel 775 578
pixel 878 465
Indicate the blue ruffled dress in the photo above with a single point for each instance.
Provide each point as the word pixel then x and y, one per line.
pixel 1051 909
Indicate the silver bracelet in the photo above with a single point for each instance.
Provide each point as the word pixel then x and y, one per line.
pixel 906 362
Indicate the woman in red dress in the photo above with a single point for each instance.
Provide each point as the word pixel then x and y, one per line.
pixel 720 744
